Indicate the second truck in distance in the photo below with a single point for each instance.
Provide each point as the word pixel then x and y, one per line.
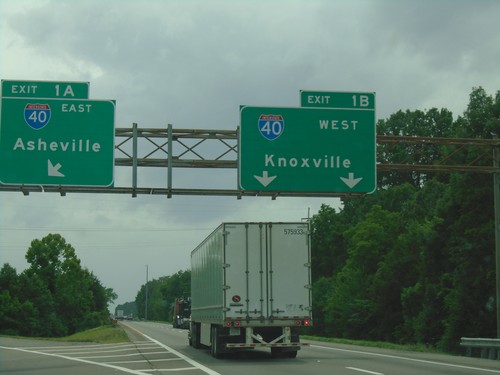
pixel 181 313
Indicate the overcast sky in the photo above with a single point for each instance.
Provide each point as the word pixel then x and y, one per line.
pixel 192 64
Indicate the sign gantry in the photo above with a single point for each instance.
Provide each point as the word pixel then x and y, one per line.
pixel 53 138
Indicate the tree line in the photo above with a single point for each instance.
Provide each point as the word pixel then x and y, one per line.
pixel 55 296
pixel 162 293
pixel 415 261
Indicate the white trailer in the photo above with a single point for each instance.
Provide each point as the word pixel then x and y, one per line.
pixel 251 288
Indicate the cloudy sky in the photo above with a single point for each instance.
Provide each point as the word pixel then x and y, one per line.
pixel 192 64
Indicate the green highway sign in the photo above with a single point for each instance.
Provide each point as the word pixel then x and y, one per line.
pixel 45 89
pixel 327 99
pixel 307 150
pixel 57 142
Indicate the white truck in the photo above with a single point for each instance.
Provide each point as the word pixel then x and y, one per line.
pixel 251 288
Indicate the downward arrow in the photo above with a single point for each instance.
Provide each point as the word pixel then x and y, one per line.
pixel 53 170
pixel 351 181
pixel 265 179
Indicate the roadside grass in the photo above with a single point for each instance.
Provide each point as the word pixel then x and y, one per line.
pixel 377 344
pixel 102 335
pixel 106 334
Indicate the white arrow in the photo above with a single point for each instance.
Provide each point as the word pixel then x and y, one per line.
pixel 351 181
pixel 53 170
pixel 265 179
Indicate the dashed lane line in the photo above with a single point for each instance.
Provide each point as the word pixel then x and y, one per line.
pixel 365 371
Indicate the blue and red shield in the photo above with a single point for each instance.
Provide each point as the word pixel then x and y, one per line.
pixel 271 126
pixel 37 115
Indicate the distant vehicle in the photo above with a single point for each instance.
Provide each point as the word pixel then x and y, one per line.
pixel 119 315
pixel 181 313
pixel 251 288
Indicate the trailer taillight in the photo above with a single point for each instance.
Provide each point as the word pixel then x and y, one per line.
pixel 305 322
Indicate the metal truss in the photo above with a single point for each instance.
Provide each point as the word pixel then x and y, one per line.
pixel 201 148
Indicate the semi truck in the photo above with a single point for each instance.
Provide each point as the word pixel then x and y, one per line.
pixel 181 312
pixel 251 288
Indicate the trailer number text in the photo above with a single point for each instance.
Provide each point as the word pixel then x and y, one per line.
pixel 291 232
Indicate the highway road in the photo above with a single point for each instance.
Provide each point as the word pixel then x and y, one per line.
pixel 160 349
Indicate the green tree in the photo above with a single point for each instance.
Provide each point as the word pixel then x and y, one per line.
pixel 161 294
pixel 432 123
pixel 419 252
pixel 54 296
pixel 328 243
pixel 352 307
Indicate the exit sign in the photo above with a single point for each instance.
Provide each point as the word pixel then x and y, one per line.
pixel 307 150
pixel 341 99
pixel 45 89
pixel 57 142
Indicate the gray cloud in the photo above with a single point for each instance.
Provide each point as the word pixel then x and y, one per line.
pixel 192 64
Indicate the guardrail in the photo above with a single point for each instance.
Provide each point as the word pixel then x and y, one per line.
pixel 487 348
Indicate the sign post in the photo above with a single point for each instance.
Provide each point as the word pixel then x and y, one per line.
pixel 57 142
pixel 307 150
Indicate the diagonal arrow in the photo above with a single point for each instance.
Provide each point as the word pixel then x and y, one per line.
pixel 53 170
pixel 265 179
pixel 351 181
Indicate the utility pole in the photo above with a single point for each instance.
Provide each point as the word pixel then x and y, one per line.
pixel 496 217
pixel 146 309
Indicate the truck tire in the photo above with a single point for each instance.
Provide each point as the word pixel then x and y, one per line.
pixel 276 352
pixel 283 353
pixel 195 335
pixel 215 342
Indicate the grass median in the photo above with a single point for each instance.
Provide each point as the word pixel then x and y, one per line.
pixel 102 335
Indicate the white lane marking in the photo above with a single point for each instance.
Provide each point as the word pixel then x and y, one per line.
pixel 195 364
pixel 122 355
pixel 366 371
pixel 149 360
pixel 407 359
pixel 173 351
pixel 80 352
pixel 168 369
pixel 130 371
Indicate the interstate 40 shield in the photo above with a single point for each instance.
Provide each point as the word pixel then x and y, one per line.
pixel 37 115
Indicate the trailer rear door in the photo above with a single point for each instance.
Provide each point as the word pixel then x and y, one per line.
pixel 266 270
pixel 289 278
